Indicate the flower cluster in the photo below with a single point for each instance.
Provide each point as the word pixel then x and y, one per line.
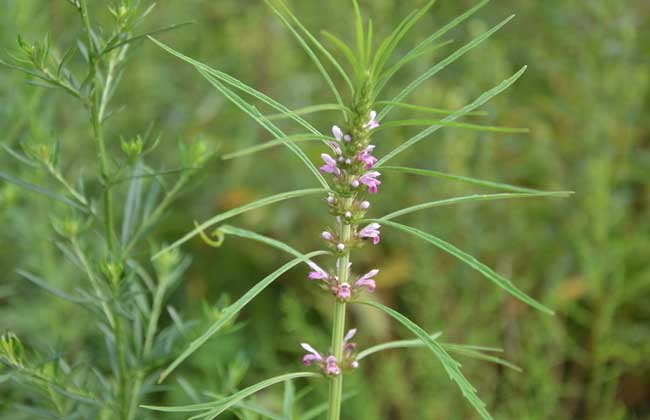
pixel 329 365
pixel 343 290
pixel 351 164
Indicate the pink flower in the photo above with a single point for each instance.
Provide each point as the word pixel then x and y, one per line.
pixel 371 231
pixel 372 123
pixel 330 165
pixel 335 147
pixel 347 346
pixel 313 355
pixel 370 180
pixel 317 273
pixel 343 291
pixel 337 132
pixel 366 157
pixel 367 280
pixel 331 367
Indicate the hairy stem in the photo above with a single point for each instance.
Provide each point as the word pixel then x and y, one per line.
pixel 338 328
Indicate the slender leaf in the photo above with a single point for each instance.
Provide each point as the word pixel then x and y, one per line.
pixel 145 35
pixel 429 40
pixel 232 310
pixel 470 198
pixel 476 127
pixel 441 65
pixel 485 97
pixel 273 143
pixel 43 191
pixel 310 53
pixel 309 110
pixel 399 344
pixel 236 211
pixel 47 287
pixel 345 50
pixel 490 274
pixel 459 178
pixel 318 45
pixel 233 399
pixel 425 108
pixel 451 366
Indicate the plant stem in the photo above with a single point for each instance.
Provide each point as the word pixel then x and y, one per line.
pixel 338 328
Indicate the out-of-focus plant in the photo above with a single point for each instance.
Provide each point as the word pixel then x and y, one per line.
pixel 353 173
pixel 103 230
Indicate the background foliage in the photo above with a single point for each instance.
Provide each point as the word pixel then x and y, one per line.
pixel 586 97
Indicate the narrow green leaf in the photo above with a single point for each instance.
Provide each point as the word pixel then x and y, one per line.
pixel 47 287
pixel 318 45
pixel 399 344
pixel 226 78
pixel 381 61
pixel 236 211
pixel 273 143
pixel 490 274
pixel 485 97
pixel 470 352
pixel 311 55
pixel 430 39
pixel 358 24
pixel 459 178
pixel 232 310
pixel 145 35
pixel 451 366
pixel 309 110
pixel 435 123
pixel 345 50
pixel 257 116
pixel 441 65
pixel 40 190
pixel 471 198
pixel 426 109
pixel 225 403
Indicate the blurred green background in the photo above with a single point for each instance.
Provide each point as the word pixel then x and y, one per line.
pixel 586 98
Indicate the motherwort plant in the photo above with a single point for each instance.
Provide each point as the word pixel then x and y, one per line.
pixel 351 173
pixel 103 225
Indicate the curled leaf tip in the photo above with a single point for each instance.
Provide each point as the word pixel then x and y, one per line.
pixel 217 233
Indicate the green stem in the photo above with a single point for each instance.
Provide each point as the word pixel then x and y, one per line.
pixel 338 328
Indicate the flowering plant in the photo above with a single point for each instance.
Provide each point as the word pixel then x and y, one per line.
pixel 354 173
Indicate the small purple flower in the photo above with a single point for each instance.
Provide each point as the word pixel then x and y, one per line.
pixel 317 273
pixel 372 123
pixel 370 180
pixel 327 235
pixel 366 157
pixel 331 367
pixel 313 355
pixel 335 147
pixel 343 291
pixel 371 231
pixel 330 164
pixel 367 280
pixel 347 346
pixel 364 205
pixel 337 132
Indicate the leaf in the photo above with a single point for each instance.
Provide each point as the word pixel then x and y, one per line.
pixel 441 65
pixel 310 53
pixel 396 37
pixel 485 97
pixel 146 35
pixel 232 310
pixel 358 25
pixel 345 50
pixel 424 108
pixel 222 405
pixel 310 110
pixel 451 366
pixel 273 143
pixel 490 274
pixel 318 45
pixel 399 344
pixel 476 127
pixel 469 351
pixel 470 198
pixel 465 179
pixel 44 191
pixel 428 41
pixel 47 287
pixel 255 114
pixel 236 211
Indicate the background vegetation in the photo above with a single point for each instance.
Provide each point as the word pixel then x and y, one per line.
pixel 586 98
